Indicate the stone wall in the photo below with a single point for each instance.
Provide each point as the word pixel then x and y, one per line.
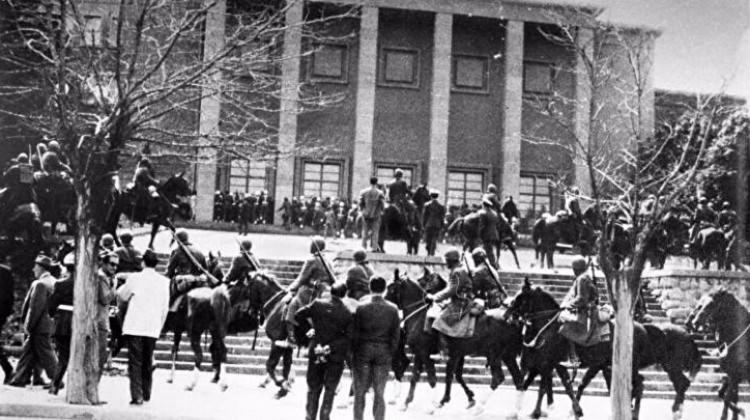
pixel 385 264
pixel 678 291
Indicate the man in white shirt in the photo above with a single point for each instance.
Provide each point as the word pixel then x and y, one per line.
pixel 147 294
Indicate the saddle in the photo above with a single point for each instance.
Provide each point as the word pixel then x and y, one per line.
pixel 182 284
pixel 457 319
pixel 584 330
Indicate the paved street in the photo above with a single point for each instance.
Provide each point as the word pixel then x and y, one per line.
pixel 244 399
pixel 296 247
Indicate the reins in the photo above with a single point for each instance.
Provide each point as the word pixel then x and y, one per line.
pixel 728 346
pixel 552 320
pixel 411 315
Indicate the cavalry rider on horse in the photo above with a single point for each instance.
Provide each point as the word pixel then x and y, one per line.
pixel 242 264
pixel 143 180
pixel 181 264
pixel 491 196
pixel 310 284
pixel 17 191
pixel 581 303
pixel 703 217
pixel 727 217
pixel 399 191
pixel 458 292
pixel 486 284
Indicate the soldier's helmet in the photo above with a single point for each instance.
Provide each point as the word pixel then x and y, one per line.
pixel 317 244
pixel 360 256
pixel 181 234
pixel 50 160
pixel 22 158
pixel 246 244
pixel 53 146
pixel 452 255
pixel 126 236
pixel 492 188
pixel 478 254
pixel 579 265
pixel 703 200
pixel 726 206
pixel 399 173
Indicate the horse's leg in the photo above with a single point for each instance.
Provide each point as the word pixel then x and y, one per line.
pixel 562 373
pixel 681 384
pixel 286 368
pixel 416 371
pixel 586 380
pixel 154 231
pixel 637 393
pixel 219 357
pixel 533 373
pixel 450 370
pixel 460 380
pixel 175 349
pixel 517 375
pixel 550 393
pixel 496 370
pixel 195 344
pixel 273 360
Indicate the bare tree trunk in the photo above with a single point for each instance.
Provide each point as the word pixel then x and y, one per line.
pixel 741 199
pixel 84 369
pixel 622 348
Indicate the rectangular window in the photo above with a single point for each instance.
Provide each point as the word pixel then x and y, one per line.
pixel 92 31
pixel 385 174
pixel 535 195
pixel 399 67
pixel 465 187
pixel 321 179
pixel 329 63
pixel 471 73
pixel 247 176
pixel 538 77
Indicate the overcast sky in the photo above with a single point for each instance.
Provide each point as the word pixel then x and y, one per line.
pixel 704 43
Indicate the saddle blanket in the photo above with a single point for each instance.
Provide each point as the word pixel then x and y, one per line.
pixel 585 333
pixel 461 329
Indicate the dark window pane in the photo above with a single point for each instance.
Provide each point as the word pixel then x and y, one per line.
pixel 537 77
pixel 400 66
pixel 328 61
pixel 470 72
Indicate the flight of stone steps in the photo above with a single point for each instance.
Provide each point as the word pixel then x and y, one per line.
pixel 242 359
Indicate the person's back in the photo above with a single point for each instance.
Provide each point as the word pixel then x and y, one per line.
pixel 433 214
pixel 147 293
pixel 372 202
pixel 488 222
pixel 398 190
pixel 376 321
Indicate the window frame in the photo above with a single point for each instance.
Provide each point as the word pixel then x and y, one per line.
pixel 552 77
pixel 465 171
pixel 537 176
pixel 383 64
pixel 343 79
pixel 393 166
pixel 247 177
pixel 456 87
pixel 339 187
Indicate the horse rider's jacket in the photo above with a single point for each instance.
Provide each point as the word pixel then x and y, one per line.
pixel 581 301
pixel 310 282
pixel 487 287
pixel 358 280
pixel 185 272
pixel 459 293
pixel 398 190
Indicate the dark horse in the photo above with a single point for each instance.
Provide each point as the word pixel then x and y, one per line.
pixel 56 197
pixel 166 206
pixel 405 225
pixel 669 238
pixel 218 310
pixel 547 232
pixel 21 237
pixel 670 347
pixel 721 311
pixel 468 228
pixel 709 244
pixel 409 296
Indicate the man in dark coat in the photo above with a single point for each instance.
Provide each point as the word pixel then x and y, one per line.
pixel 181 263
pixel 143 178
pixel 61 308
pixel 372 204
pixel 458 292
pixel 38 326
pixel 433 218
pixel 488 223
pixel 242 264
pixel 331 334
pixel 18 187
pixel 491 195
pixel 703 217
pixel 727 216
pixel 358 275
pixel 510 210
pixel 398 190
pixel 485 281
pixel 129 257
pixel 579 305
pixel 6 310
pixel 376 335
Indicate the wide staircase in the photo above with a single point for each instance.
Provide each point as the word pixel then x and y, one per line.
pixel 243 359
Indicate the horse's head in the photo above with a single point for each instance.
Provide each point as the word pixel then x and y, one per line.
pixel 531 300
pixel 432 281
pixel 710 310
pixel 261 287
pixel 403 291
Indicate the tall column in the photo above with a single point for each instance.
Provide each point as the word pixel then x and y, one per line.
pixel 583 114
pixel 440 103
pixel 210 114
pixel 513 98
pixel 365 106
pixel 290 69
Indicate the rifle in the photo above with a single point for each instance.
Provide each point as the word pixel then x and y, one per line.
pixel 250 258
pixel 190 255
pixel 323 261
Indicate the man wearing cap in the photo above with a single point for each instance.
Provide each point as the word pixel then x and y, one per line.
pixel 6 310
pixel 398 190
pixel 311 282
pixel 580 304
pixel 491 195
pixel 485 281
pixel 242 264
pixel 143 178
pixel 433 218
pixel 147 294
pixel 703 217
pixel 18 181
pixel 358 276
pixel 458 292
pixel 61 308
pixel 129 257
pixel 179 262
pixel 488 223
pixel 108 263
pixel 372 204
pixel 107 242
pixel 37 325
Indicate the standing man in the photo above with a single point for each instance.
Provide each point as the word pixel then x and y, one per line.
pixel 433 217
pixel 108 263
pixel 510 210
pixel 488 223
pixel 242 264
pixel 376 335
pixel 331 334
pixel 358 275
pixel 372 203
pixel 147 294
pixel 61 308
pixel 129 257
pixel 6 310
pixel 37 325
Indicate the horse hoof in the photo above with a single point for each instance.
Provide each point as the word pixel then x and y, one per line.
pixel 214 380
pixel 223 387
pixel 536 414
pixel 169 380
pixel 392 402
pixel 472 403
pixel 403 407
pixel 189 387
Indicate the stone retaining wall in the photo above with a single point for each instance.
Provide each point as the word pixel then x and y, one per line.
pixel 678 291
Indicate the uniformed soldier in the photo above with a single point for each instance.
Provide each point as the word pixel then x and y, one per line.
pixel 488 223
pixel 491 195
pixel 358 276
pixel 727 216
pixel 458 291
pixel 179 263
pixel 433 218
pixel 130 258
pixel 581 302
pixel 18 191
pixel 703 217
pixel 61 308
pixel 143 178
pixel 398 190
pixel 311 282
pixel 572 206
pixel 486 284
pixel 242 264
pixel 510 210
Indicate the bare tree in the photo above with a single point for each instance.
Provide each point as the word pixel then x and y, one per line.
pixel 135 74
pixel 608 142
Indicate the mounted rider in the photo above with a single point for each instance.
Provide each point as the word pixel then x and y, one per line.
pixel 399 191
pixel 17 182
pixel 358 276
pixel 184 270
pixel 242 264
pixel 703 217
pixel 312 281
pixel 143 180
pixel 453 320
pixel 485 281
pixel 510 210
pixel 491 195
pixel 488 230
pixel 580 306
pixel 727 217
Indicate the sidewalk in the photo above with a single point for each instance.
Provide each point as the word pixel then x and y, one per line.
pixel 244 400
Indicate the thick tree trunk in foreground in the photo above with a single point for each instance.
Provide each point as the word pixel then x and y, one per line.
pixel 622 348
pixel 84 369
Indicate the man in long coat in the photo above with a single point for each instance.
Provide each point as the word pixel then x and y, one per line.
pixel 61 308
pixel 433 219
pixel 458 293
